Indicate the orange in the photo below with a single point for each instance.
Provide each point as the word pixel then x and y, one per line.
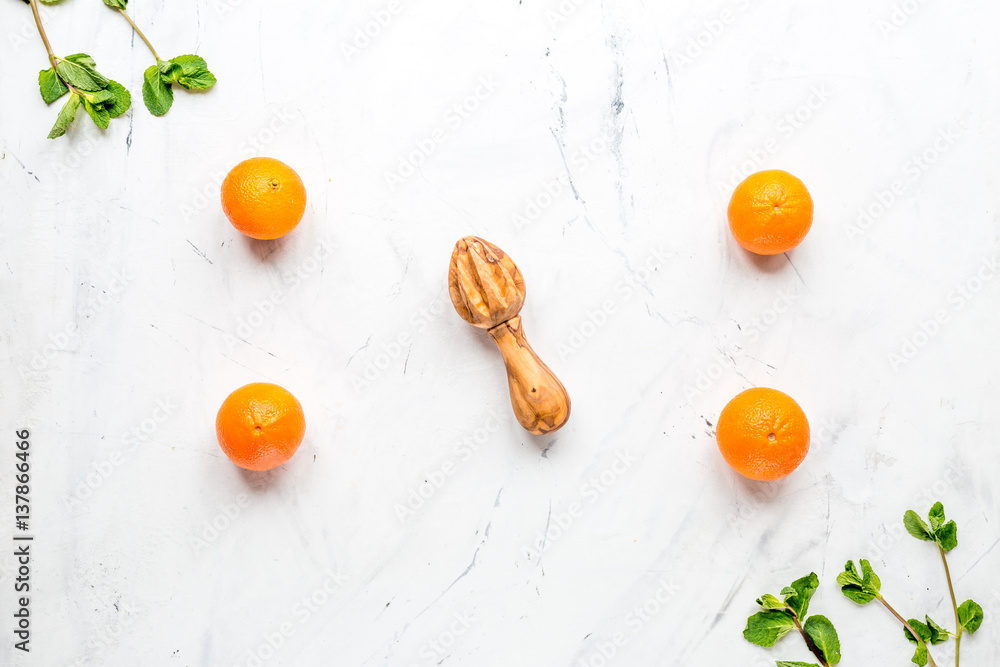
pixel 770 212
pixel 763 434
pixel 264 198
pixel 260 426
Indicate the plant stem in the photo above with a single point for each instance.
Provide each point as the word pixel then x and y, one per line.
pixel 138 32
pixel 809 642
pixel 954 604
pixel 41 31
pixel 909 627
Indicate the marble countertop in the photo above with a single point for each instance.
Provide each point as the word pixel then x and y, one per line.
pixel 598 144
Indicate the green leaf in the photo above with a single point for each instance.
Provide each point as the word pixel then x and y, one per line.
pixel 920 655
pixel 79 70
pixel 65 117
pixel 192 73
pixel 804 589
pixel 190 63
pixel 938 634
pixel 83 60
pixel 921 628
pixel 766 627
pixel 936 516
pixel 947 536
pixel 824 636
pixel 51 86
pixel 970 616
pixel 785 663
pixel 98 114
pixel 98 97
pixel 116 4
pixel 915 526
pixel 860 589
pixel 202 80
pixel 156 94
pixel 169 70
pixel 120 100
pixel 768 601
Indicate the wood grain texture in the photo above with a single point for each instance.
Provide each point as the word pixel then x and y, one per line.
pixel 487 289
pixel 540 401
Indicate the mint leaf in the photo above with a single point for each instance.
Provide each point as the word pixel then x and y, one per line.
pixel 804 589
pixel 938 634
pixel 858 588
pixel 97 113
pixel 51 86
pixel 116 4
pixel 168 69
pixel 824 636
pixel 768 601
pixel 200 80
pixel 915 526
pixel 190 64
pixel 120 100
pixel 785 663
pixel 970 616
pixel 65 117
pixel 920 655
pixel 83 60
pixel 870 580
pixel 947 536
pixel 80 76
pixel 155 93
pixel 921 629
pixel 936 516
pixel 766 627
pixel 192 73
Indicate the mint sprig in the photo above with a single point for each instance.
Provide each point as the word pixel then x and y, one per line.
pixel 190 72
pixel 779 617
pixel 864 587
pixel 101 97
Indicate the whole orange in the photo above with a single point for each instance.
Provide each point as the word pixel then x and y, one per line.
pixel 264 198
pixel 260 426
pixel 763 434
pixel 770 212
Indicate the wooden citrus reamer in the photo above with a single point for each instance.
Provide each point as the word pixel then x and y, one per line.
pixel 487 290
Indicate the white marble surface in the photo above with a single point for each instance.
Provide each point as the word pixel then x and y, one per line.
pixel 639 135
